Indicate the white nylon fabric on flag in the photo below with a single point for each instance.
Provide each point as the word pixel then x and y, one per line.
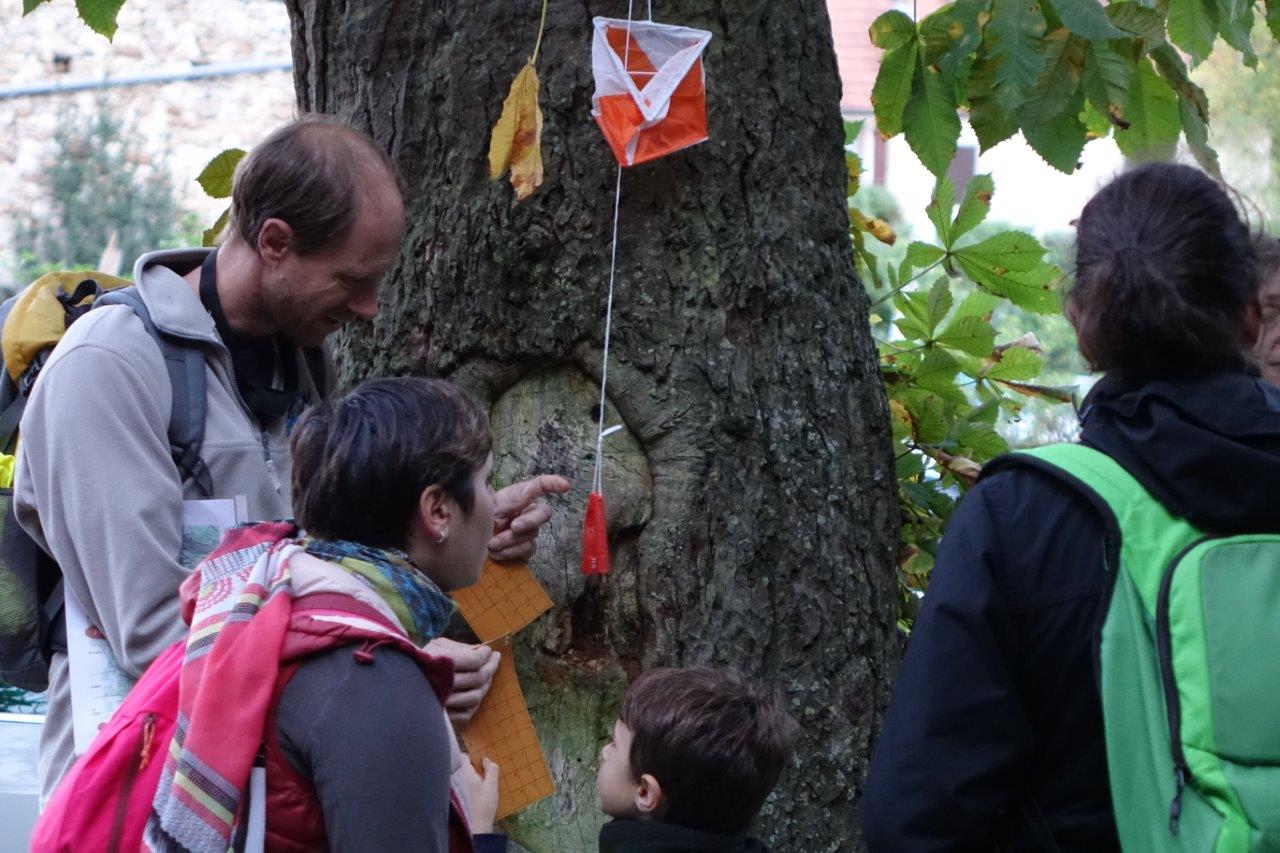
pixel 672 51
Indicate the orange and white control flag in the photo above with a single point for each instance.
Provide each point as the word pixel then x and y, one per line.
pixel 651 96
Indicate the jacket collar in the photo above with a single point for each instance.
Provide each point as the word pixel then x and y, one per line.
pixel 175 307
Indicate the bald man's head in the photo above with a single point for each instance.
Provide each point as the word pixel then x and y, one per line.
pixel 313 174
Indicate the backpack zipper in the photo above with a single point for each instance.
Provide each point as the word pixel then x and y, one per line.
pixel 130 779
pixel 1172 704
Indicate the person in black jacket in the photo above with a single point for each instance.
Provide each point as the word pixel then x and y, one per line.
pixel 994 736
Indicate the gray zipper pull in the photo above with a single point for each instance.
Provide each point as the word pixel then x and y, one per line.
pixel 271 463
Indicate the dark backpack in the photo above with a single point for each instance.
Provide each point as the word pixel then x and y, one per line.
pixel 31 595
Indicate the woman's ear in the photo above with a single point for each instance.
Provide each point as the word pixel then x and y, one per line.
pixel 434 514
pixel 649 797
pixel 1075 318
pixel 1251 325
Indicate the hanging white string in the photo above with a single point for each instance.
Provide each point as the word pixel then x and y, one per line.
pixel 597 482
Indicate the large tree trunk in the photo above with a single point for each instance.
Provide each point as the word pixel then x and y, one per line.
pixel 752 497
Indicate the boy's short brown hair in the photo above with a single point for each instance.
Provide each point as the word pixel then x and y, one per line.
pixel 716 744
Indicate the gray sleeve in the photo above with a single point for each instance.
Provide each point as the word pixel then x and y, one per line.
pixel 373 741
pixel 97 488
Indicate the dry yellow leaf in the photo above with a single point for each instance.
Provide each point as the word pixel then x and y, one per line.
pixel 877 228
pixel 516 142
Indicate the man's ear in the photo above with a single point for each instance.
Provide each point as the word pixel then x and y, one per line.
pixel 275 241
pixel 649 797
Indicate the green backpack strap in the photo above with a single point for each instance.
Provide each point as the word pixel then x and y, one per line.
pixel 1148 535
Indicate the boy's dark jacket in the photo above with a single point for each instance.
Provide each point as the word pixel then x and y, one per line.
pixel 647 836
pixel 994 738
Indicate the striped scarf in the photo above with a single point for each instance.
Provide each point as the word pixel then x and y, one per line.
pixel 243 604
pixel 422 608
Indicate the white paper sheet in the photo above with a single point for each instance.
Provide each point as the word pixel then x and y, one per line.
pixel 98 684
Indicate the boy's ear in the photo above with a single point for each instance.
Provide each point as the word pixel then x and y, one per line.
pixel 649 797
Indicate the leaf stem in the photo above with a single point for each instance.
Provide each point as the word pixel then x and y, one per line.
pixel 916 277
pixel 542 26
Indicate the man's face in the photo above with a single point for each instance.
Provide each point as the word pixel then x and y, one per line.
pixel 1267 350
pixel 308 297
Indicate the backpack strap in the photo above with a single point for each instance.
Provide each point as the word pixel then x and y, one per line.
pixel 185 363
pixel 1148 534
pixel 12 400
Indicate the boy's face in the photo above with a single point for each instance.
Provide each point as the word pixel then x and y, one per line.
pixel 617 785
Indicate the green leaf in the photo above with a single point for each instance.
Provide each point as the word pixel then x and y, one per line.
pixel 894 84
pixel 1273 18
pixel 1016 364
pixel 29 6
pixel 978 304
pixel 217 176
pixel 1086 18
pixel 1174 71
pixel 919 255
pixel 1193 25
pixel 851 131
pixel 980 441
pixel 1011 250
pixel 991 122
pixel 937 372
pixel 1096 124
pixel 1106 81
pixel 939 209
pixel 952 32
pixel 1237 28
pixel 1058 82
pixel 1154 121
pixel 928 414
pixel 892 30
pixel 211 234
pixel 908 465
pixel 1060 141
pixel 100 15
pixel 975 207
pixel 1010 264
pixel 1142 21
pixel 931 121
pixel 923 312
pixel 938 305
pixel 972 335
pixel 1014 41
pixel 1197 133
pixel 920 564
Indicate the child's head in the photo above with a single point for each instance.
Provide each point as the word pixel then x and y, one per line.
pixel 694 747
pixel 399 463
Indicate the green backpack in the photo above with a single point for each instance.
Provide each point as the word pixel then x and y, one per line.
pixel 1189 664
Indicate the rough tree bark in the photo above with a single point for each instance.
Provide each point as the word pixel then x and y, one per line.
pixel 752 505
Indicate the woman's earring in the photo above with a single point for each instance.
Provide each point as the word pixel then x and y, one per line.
pixel 442 537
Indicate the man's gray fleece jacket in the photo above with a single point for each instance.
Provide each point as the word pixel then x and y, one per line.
pixel 97 488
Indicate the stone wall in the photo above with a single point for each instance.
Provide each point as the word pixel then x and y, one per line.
pixel 178 126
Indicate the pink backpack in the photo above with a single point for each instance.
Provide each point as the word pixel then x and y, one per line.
pixel 104 801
